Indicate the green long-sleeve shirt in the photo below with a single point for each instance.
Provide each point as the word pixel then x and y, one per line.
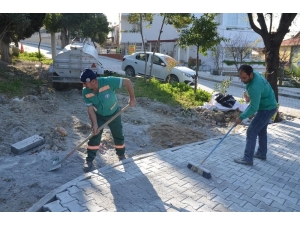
pixel 261 96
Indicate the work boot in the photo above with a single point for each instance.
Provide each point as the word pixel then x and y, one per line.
pixel 87 166
pixel 121 157
pixel 258 156
pixel 243 161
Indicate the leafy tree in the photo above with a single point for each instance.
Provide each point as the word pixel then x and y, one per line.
pixel 272 41
pixel 203 34
pixel 90 25
pixel 140 18
pixel 95 27
pixel 86 25
pixel 15 27
pixel 177 20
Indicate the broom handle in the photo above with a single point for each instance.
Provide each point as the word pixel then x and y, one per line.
pixel 92 134
pixel 218 143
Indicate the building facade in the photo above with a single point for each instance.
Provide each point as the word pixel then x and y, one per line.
pixel 234 26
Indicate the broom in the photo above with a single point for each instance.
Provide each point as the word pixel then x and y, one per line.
pixel 199 168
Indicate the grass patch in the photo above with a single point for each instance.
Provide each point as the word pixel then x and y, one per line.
pixel 18 82
pixel 175 94
pixel 33 57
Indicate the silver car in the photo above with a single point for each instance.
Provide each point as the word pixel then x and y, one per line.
pixel 165 68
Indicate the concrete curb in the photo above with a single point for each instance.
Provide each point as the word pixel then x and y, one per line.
pixel 295 95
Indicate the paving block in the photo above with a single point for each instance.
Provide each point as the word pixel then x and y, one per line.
pixel 27 144
pixel 65 197
pixel 82 197
pixel 73 189
pixel 54 207
pixel 74 206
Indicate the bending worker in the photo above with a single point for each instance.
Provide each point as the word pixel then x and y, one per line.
pixel 102 104
pixel 263 103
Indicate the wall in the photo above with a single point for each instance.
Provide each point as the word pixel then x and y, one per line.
pixel 45 39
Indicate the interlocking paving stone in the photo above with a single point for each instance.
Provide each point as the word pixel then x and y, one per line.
pixel 275 198
pixel 236 200
pixel 236 208
pixel 267 208
pixel 288 198
pixel 92 206
pixel 74 206
pixel 73 189
pixel 82 197
pixel 281 207
pixel 64 197
pixel 54 206
pixel 252 208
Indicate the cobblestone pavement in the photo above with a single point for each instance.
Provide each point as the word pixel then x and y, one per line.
pixel 161 181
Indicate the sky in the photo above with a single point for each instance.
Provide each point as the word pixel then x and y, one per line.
pixel 112 17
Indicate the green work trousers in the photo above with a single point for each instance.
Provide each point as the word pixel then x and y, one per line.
pixel 116 129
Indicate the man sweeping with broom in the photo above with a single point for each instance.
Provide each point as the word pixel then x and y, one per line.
pixel 263 103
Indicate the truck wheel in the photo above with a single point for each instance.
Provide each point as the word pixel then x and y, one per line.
pixel 129 71
pixel 172 79
pixel 57 85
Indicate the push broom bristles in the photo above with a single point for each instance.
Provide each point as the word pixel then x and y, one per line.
pixel 199 169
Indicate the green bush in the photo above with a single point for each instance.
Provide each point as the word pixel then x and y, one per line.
pixel 34 57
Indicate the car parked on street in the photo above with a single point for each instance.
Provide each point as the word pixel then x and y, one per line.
pixel 165 68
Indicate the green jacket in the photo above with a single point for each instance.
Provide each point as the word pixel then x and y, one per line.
pixel 105 101
pixel 261 96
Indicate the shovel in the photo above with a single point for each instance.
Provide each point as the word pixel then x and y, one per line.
pixel 57 163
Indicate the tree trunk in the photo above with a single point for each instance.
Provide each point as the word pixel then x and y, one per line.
pixel 157 44
pixel 197 68
pixel 53 45
pixel 5 55
pixel 39 46
pixel 64 37
pixel 272 67
pixel 142 36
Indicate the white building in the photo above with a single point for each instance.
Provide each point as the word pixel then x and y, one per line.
pixel 232 25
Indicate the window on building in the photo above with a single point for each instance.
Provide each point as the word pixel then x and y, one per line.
pixel 135 27
pixel 218 18
pixel 238 19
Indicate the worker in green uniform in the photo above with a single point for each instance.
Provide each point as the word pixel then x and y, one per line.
pixel 102 104
pixel 264 104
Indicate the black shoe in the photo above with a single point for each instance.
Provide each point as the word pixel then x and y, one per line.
pixel 258 156
pixel 121 157
pixel 243 161
pixel 88 166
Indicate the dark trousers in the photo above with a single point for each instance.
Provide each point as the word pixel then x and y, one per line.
pixel 116 129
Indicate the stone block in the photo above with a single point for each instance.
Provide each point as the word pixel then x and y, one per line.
pixel 27 144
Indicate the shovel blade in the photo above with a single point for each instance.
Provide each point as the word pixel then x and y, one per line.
pixel 54 167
